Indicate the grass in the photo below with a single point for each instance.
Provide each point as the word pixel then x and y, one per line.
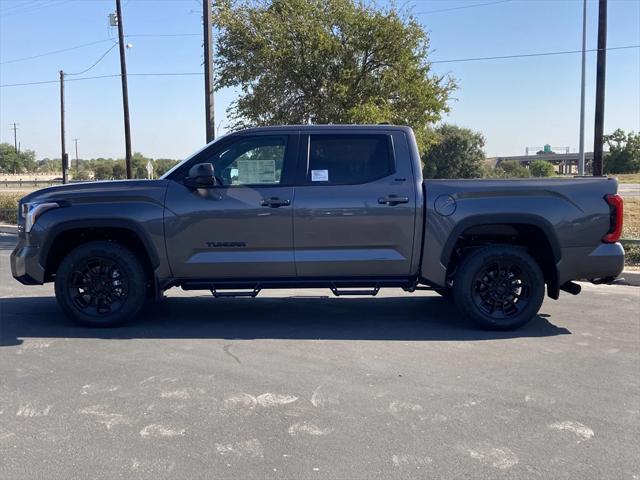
pixel 631 229
pixel 627 177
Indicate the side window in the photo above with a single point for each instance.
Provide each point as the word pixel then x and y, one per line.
pixel 348 159
pixel 251 161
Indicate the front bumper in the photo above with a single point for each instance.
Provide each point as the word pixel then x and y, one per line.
pixel 606 261
pixel 25 263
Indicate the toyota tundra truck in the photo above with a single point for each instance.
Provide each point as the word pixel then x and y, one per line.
pixel 338 207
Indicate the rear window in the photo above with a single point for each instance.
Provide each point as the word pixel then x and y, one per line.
pixel 348 159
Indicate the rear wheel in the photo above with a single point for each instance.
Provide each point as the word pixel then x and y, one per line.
pixel 499 287
pixel 100 284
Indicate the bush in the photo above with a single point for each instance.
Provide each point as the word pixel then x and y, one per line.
pixel 542 168
pixel 512 169
pixel 9 207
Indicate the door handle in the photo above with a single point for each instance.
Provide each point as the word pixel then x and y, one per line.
pixel 275 202
pixel 393 200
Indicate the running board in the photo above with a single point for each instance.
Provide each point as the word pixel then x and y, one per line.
pixel 339 293
pixel 235 294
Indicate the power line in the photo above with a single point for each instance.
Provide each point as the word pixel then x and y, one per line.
pixel 180 74
pixel 28 8
pixel 526 55
pixel 68 49
pixel 463 7
pixel 96 62
pixel 164 35
pixel 114 75
pixel 53 52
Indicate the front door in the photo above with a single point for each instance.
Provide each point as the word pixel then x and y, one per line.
pixel 243 227
pixel 355 212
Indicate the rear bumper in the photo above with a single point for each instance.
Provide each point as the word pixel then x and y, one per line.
pixel 25 264
pixel 606 261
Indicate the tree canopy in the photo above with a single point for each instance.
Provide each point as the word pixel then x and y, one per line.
pixel 12 161
pixel 624 152
pixel 326 61
pixel 456 152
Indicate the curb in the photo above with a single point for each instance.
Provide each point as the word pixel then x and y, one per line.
pixel 12 229
pixel 629 277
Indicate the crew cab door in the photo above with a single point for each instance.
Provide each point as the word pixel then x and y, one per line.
pixel 355 207
pixel 243 226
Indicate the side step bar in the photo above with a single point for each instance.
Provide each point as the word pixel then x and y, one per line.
pixel 234 294
pixel 338 293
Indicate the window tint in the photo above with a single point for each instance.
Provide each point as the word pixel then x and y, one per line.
pixel 348 159
pixel 251 161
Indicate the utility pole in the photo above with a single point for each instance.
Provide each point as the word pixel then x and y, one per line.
pixel 125 90
pixel 77 161
pixel 64 156
pixel 601 69
pixel 15 136
pixel 581 163
pixel 208 72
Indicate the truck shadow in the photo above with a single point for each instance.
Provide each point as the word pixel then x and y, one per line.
pixel 383 318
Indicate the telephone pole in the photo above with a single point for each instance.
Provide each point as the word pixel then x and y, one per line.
pixel 62 132
pixel 125 90
pixel 601 69
pixel 15 136
pixel 208 72
pixel 77 161
pixel 581 162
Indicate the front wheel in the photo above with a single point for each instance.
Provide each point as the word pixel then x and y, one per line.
pixel 499 287
pixel 100 284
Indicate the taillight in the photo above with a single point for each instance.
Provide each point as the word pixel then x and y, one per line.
pixel 615 225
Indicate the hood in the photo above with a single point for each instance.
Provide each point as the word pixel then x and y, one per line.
pixel 100 191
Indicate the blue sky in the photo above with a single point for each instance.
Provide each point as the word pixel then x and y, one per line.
pixel 515 103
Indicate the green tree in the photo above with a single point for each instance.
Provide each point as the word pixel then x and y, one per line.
pixel 624 152
pixel 512 169
pixel 119 170
pixel 12 161
pixel 103 171
pixel 326 61
pixel 162 166
pixel 455 152
pixel 542 168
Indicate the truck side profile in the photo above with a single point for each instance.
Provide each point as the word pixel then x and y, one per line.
pixel 342 207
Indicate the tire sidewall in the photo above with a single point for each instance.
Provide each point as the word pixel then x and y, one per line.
pixel 129 265
pixel 463 286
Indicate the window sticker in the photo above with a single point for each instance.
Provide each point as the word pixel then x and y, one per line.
pixel 319 175
pixel 256 171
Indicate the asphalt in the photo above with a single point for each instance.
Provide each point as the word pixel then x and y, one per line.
pixel 296 385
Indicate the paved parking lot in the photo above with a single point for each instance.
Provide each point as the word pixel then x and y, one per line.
pixel 396 386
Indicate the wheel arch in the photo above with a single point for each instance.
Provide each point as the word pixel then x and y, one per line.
pixel 530 231
pixel 68 235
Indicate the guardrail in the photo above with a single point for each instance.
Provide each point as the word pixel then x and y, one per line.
pixel 20 183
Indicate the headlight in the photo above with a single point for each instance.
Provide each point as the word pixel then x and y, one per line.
pixel 32 210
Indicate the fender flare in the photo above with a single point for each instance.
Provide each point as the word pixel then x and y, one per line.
pixel 121 223
pixel 502 218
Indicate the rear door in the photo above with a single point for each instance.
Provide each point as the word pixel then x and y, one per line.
pixel 355 205
pixel 243 227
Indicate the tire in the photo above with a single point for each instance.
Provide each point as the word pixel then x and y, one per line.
pixel 100 284
pixel 499 287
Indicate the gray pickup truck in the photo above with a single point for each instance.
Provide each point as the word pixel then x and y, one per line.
pixel 341 207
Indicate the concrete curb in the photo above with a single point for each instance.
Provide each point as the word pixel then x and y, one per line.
pixel 630 277
pixel 13 229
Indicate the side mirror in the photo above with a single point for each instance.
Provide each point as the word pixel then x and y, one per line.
pixel 201 176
